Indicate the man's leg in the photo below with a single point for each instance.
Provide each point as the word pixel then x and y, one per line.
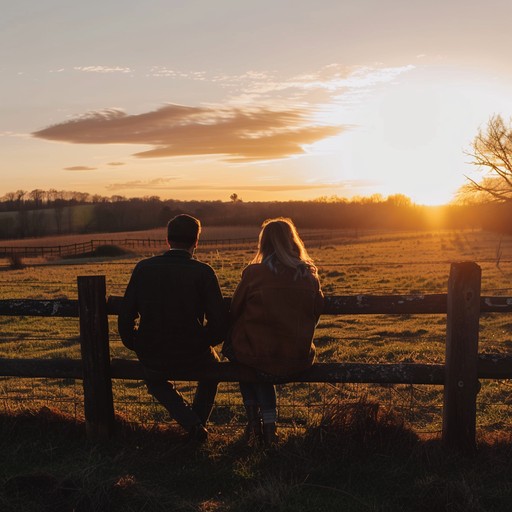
pixel 171 399
pixel 206 392
pixel 204 400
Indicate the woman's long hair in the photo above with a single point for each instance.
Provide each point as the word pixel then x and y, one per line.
pixel 279 243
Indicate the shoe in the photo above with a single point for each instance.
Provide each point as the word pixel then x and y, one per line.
pixel 197 434
pixel 254 427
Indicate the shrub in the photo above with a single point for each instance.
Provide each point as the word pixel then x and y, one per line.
pixel 15 262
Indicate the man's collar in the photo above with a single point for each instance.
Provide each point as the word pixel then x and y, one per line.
pixel 183 253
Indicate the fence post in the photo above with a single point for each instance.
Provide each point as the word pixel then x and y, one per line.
pixel 94 344
pixel 461 371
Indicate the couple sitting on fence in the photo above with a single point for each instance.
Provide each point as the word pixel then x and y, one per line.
pixel 173 314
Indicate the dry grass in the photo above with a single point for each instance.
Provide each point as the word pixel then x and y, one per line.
pixel 375 263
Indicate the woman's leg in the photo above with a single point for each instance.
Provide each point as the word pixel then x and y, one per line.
pixel 267 399
pixel 266 396
pixel 252 410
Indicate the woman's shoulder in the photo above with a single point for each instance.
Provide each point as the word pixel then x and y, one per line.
pixel 254 268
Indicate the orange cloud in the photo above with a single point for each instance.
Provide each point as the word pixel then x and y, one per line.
pixel 177 130
pixel 80 168
pixel 156 183
pixel 116 163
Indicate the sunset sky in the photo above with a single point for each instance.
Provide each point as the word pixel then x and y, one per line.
pixel 272 100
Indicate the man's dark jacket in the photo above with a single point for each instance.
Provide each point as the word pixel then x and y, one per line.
pixel 181 310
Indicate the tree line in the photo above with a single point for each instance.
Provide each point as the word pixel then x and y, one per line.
pixel 80 214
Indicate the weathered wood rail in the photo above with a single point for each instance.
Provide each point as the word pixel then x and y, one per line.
pixel 463 366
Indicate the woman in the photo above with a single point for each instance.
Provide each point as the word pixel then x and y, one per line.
pixel 274 312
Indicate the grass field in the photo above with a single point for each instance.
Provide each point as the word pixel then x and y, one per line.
pixel 373 263
pixel 370 263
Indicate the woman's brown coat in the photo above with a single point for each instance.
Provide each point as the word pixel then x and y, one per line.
pixel 274 316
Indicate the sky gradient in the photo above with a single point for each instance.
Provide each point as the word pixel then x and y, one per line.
pixel 270 100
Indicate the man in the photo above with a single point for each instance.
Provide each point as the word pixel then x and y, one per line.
pixel 172 315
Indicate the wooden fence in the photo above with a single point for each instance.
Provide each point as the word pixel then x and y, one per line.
pixel 88 247
pixel 463 366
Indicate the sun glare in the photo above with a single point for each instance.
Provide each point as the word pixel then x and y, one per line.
pixel 409 137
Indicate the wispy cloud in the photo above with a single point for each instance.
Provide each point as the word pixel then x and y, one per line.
pixel 114 164
pixel 169 184
pixel 333 80
pixel 163 71
pixel 80 168
pixel 16 135
pixel 235 134
pixel 154 184
pixel 102 69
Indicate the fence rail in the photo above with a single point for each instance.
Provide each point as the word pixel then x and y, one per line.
pixel 334 305
pixel 84 248
pixel 459 374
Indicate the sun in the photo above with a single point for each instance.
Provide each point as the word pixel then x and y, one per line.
pixel 410 136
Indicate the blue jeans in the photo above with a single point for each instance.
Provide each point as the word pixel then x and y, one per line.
pixel 263 395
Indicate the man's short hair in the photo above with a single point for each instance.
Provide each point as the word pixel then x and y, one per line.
pixel 183 230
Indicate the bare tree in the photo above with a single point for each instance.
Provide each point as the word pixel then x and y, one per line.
pixel 37 195
pixel 491 151
pixel 9 196
pixel 20 194
pixel 82 197
pixel 399 200
pixel 10 200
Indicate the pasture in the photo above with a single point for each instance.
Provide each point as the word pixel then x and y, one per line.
pixel 376 263
pixel 350 447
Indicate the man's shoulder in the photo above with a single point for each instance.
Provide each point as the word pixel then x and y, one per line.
pixel 153 260
pixel 174 259
pixel 203 266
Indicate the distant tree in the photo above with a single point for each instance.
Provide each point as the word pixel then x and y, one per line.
pixel 234 198
pixel 491 151
pixel 151 199
pixel 399 200
pixel 20 195
pixel 82 197
pixel 51 195
pixel 330 199
pixel 373 199
pixel 9 199
pixel 37 195
pixel 97 198
pixel 10 196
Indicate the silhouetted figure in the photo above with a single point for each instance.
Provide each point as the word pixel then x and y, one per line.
pixel 172 315
pixel 274 312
